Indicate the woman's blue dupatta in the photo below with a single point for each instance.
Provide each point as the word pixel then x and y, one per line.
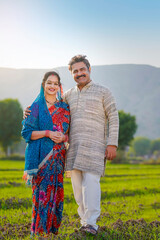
pixel 39 119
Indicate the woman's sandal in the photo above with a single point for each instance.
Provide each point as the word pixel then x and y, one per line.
pixel 90 229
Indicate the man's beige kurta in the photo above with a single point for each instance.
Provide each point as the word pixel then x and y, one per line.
pixel 94 125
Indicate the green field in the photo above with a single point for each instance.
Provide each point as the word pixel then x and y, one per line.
pixel 130 206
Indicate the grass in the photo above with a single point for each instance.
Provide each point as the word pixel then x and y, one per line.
pixel 130 205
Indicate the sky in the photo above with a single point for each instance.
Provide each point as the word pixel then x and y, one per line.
pixel 47 33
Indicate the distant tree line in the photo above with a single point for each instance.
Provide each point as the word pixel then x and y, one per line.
pixel 11 115
pixel 142 147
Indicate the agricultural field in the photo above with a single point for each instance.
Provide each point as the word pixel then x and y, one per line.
pixel 130 206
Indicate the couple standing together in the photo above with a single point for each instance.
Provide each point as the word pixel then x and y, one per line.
pixel 88 115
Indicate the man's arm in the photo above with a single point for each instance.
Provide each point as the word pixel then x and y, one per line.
pixel 113 125
pixel 26 112
pixel 65 97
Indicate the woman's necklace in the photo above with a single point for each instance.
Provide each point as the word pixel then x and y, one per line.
pixel 50 102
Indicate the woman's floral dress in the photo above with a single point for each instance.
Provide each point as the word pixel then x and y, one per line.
pixel 47 185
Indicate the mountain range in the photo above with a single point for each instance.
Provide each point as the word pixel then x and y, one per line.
pixel 135 87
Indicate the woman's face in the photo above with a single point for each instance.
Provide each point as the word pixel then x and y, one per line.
pixel 51 85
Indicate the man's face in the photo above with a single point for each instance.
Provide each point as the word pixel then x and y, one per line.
pixel 81 74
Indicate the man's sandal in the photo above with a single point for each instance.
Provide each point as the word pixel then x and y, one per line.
pixel 82 228
pixel 90 229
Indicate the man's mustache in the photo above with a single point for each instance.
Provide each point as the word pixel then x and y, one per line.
pixel 81 76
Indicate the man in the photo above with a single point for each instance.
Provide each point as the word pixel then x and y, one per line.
pixel 93 137
pixel 92 109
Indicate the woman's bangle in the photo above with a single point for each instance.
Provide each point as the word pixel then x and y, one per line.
pixel 47 132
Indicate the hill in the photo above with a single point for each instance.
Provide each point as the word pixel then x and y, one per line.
pixel 136 88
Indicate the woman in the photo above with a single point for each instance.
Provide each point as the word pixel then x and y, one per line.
pixel 45 131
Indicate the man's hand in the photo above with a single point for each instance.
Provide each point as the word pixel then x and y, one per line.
pixel 110 152
pixel 26 112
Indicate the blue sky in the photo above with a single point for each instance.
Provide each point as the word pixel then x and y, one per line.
pixel 47 33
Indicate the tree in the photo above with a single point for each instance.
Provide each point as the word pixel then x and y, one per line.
pixel 11 115
pixel 127 129
pixel 155 145
pixel 141 146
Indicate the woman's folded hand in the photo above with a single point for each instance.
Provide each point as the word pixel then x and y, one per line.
pixel 57 137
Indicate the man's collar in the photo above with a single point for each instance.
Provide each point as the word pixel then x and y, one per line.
pixel 86 86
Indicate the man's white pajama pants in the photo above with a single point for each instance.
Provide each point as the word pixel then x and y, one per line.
pixel 87 193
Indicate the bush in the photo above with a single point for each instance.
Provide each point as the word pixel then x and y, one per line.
pixel 135 160
pixel 120 158
pixel 13 157
pixel 152 161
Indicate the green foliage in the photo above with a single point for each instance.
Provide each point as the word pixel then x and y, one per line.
pixel 14 156
pixel 141 146
pixel 155 145
pixel 10 122
pixel 121 157
pixel 18 147
pixel 127 129
pixel 152 161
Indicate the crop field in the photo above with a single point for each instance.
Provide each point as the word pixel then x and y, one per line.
pixel 130 205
